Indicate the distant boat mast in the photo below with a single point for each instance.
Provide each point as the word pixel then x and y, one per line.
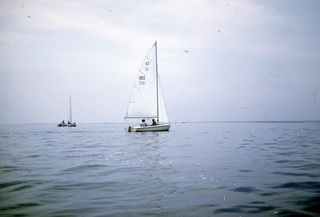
pixel 70 112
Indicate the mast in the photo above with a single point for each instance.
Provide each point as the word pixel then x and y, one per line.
pixel 157 82
pixel 70 111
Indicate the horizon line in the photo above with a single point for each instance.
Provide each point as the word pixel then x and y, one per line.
pixel 184 122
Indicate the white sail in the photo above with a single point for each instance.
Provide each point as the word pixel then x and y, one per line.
pixel 147 99
pixel 163 115
pixel 70 124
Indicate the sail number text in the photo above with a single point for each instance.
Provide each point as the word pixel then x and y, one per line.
pixel 142 80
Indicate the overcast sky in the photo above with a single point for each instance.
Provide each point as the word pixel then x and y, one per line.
pixel 218 60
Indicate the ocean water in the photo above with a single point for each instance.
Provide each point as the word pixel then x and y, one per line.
pixel 195 169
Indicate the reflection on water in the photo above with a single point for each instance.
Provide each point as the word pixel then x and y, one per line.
pixel 223 169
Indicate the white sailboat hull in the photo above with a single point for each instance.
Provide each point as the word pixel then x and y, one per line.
pixel 153 128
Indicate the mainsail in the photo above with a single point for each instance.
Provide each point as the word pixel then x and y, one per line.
pixel 147 99
pixel 70 124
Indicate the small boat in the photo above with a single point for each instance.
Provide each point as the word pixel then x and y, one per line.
pixel 62 124
pixel 70 124
pixel 147 101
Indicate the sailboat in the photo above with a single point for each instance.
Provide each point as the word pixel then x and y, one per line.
pixel 62 124
pixel 147 100
pixel 70 124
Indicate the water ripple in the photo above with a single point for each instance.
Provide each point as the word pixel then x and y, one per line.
pixel 212 169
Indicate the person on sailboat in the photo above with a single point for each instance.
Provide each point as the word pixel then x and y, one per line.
pixel 154 122
pixel 143 123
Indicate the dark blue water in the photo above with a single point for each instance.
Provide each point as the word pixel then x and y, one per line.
pixel 213 169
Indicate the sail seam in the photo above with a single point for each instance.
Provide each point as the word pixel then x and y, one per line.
pixel 137 87
pixel 141 72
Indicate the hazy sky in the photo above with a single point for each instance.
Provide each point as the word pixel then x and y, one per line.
pixel 218 60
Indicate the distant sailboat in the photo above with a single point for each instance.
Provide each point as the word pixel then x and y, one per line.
pixel 70 124
pixel 147 101
pixel 62 124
